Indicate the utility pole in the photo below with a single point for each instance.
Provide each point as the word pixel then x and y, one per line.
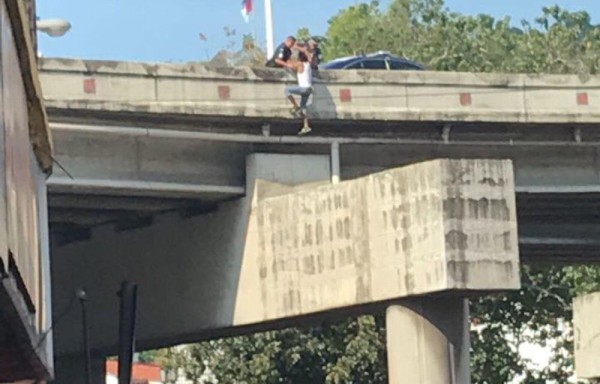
pixel 269 28
pixel 128 298
pixel 82 296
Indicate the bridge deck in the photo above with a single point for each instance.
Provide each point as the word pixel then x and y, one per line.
pixel 194 89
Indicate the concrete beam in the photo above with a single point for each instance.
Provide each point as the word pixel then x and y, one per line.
pixel 189 156
pixel 118 203
pixel 145 189
pixel 439 226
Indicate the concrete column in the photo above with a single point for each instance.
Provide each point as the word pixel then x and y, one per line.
pixel 335 162
pixel 69 370
pixel 428 342
pixel 586 310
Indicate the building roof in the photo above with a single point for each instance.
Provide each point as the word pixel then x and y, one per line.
pixel 141 372
pixel 39 131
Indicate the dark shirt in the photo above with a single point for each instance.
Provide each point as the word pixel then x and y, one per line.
pixel 317 57
pixel 282 52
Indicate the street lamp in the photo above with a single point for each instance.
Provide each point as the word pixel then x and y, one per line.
pixel 53 27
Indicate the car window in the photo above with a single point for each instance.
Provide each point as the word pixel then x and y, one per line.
pixel 374 64
pixel 357 65
pixel 401 65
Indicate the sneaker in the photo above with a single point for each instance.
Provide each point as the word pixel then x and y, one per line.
pixel 294 111
pixel 306 129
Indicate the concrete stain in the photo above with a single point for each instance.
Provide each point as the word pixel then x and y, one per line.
pixel 347 232
pixel 332 260
pixel 341 258
pixel 407 244
pixel 363 289
pixel 457 240
pixel 483 208
pixel 93 66
pixel 262 271
pixel 492 182
pixel 320 261
pixel 458 271
pixel 339 228
pixel 319 232
pixel 309 265
pixel 308 235
pixel 151 70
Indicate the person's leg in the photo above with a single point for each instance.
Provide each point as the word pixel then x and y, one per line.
pixel 303 103
pixel 304 100
pixel 290 92
pixel 306 127
pixel 293 101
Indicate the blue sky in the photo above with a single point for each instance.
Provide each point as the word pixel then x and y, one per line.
pixel 168 30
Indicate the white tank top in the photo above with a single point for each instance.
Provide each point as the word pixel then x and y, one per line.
pixel 305 78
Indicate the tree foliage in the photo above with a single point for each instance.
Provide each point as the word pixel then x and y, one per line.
pixel 353 351
pixel 558 41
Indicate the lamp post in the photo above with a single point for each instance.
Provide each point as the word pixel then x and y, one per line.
pixel 53 27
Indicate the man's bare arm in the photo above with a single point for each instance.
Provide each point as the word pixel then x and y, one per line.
pixel 307 52
pixel 294 65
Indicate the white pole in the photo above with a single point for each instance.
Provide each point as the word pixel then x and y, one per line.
pixel 335 162
pixel 269 28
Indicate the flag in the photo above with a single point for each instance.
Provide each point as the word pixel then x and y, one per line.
pixel 246 9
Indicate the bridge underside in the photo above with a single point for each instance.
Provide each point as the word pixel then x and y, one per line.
pixel 260 261
pixel 127 174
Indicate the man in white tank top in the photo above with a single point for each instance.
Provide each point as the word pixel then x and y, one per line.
pixel 304 88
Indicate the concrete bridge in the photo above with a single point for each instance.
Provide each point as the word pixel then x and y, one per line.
pixel 144 138
pixel 163 154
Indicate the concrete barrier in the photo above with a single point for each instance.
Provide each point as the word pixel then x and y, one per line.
pixel 195 89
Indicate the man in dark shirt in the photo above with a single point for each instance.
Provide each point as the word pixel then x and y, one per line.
pixel 316 56
pixel 282 53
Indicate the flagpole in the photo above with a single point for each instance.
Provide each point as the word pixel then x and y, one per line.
pixel 269 28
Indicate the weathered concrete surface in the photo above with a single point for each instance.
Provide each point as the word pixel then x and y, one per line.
pixel 428 341
pixel 586 318
pixel 443 225
pixel 194 89
pixel 187 269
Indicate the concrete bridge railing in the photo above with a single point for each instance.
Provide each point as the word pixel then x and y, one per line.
pixel 354 95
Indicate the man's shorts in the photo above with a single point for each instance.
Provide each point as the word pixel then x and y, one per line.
pixel 301 91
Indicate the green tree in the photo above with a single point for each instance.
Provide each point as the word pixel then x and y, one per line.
pixel 351 31
pixel 558 41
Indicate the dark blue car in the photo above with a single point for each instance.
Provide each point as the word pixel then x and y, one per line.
pixel 380 60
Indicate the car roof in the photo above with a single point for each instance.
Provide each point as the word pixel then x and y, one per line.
pixel 348 60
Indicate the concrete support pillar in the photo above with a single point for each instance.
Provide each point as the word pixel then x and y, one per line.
pixel 69 370
pixel 428 342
